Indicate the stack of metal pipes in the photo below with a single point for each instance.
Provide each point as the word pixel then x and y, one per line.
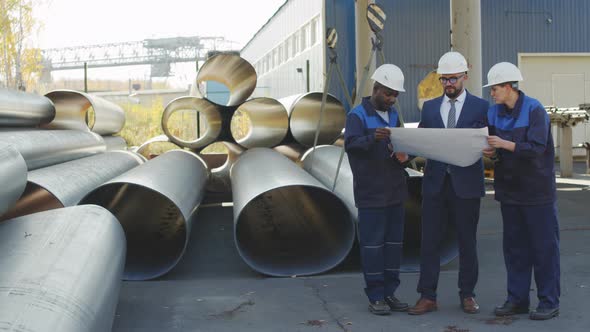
pixel 72 208
pixel 289 218
pixel 54 151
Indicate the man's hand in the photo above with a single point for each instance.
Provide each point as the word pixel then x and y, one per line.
pixel 402 157
pixel 489 152
pixel 381 134
pixel 498 143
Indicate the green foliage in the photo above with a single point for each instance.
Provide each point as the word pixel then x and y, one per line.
pixel 19 65
pixel 141 122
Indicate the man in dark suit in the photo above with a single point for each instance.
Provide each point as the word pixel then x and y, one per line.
pixel 451 194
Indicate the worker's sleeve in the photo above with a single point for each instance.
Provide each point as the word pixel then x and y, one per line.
pixel 354 134
pixel 537 134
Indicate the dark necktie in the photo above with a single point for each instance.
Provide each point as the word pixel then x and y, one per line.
pixel 452 113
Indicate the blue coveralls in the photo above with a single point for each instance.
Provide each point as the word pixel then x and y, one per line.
pixel 379 192
pixel 524 182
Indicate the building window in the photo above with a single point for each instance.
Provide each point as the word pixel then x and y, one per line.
pixel 296 43
pixel 288 49
pixel 314 31
pixel 303 36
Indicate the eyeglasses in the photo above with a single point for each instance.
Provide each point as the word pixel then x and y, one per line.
pixel 452 80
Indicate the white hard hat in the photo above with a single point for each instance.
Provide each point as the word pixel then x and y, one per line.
pixel 452 63
pixel 390 76
pixel 503 72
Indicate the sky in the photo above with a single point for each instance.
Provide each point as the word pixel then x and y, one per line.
pixel 67 23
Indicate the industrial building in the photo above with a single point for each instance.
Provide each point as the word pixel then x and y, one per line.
pixel 548 40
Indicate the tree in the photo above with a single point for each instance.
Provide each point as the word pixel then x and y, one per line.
pixel 19 64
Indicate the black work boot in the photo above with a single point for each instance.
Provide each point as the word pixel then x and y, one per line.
pixel 379 308
pixel 395 304
pixel 509 309
pixel 544 313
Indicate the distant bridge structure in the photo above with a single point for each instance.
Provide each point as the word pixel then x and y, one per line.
pixel 159 53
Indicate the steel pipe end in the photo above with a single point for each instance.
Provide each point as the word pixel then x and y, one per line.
pixel 295 230
pixel 83 111
pixel 219 179
pixel 210 127
pixel 260 122
pixel 156 237
pixel 34 199
pixel 13 176
pixel 155 207
pixel 231 70
pixel 413 229
pixel 61 270
pixel 304 116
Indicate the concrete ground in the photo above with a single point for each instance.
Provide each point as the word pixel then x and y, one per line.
pixel 211 289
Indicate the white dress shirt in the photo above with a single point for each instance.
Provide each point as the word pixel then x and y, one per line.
pixel 445 107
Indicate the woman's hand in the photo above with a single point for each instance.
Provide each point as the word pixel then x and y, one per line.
pixel 498 143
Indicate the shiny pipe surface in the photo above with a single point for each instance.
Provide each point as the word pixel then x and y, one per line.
pixel 304 115
pixel 286 222
pixel 65 184
pixel 325 162
pixel 231 70
pixel 219 180
pixel 114 143
pixel 217 119
pixel 143 149
pixel 13 176
pixel 72 111
pixel 292 151
pixel 268 123
pixel 20 109
pixel 42 148
pixel 61 270
pixel 154 203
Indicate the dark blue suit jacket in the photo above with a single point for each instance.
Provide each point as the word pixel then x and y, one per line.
pixel 467 181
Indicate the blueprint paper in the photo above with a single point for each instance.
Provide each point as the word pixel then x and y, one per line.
pixel 457 146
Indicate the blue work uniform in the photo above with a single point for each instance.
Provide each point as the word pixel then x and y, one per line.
pixel 380 189
pixel 524 182
pixel 451 197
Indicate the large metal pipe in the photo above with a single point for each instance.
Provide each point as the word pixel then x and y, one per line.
pixel 13 176
pixel 323 167
pixel 42 148
pixel 266 120
pixel 286 222
pixel 65 184
pixel 83 111
pixel 217 121
pixel 304 115
pixel 292 151
pixel 115 143
pixel 154 203
pixel 20 109
pixel 155 143
pixel 61 270
pixel 219 181
pixel 231 70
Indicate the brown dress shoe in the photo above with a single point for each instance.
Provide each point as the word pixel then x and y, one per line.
pixel 422 306
pixel 469 305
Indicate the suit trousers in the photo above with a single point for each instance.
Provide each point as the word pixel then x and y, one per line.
pixel 438 214
pixel 381 233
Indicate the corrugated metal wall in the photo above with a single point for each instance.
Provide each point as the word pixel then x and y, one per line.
pixel 340 15
pixel 532 26
pixel 416 35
